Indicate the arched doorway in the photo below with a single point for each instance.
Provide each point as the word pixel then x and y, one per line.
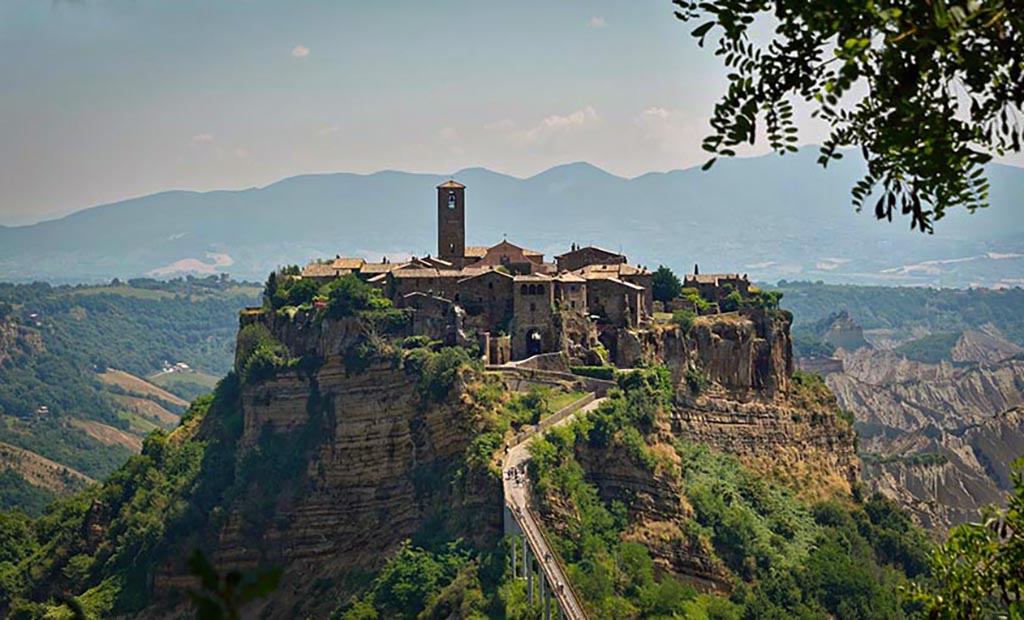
pixel 534 343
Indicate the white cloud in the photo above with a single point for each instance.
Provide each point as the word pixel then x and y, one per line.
pixel 654 114
pixel 241 153
pixel 554 126
pixel 597 22
pixel 300 51
pixel 448 134
pixel 203 138
pixel 502 126
pixel 327 130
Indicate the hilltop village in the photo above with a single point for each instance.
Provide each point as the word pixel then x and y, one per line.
pixel 509 299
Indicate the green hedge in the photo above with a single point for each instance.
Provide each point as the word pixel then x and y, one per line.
pixel 596 372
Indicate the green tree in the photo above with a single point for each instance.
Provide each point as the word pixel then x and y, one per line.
pixel 928 91
pixel 349 295
pixel 979 572
pixel 665 285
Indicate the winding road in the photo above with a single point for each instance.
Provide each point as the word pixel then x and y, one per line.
pixel 517 498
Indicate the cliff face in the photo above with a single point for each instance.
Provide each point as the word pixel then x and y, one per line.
pixel 735 392
pixel 373 462
pixel 745 356
pixel 938 438
pixel 747 405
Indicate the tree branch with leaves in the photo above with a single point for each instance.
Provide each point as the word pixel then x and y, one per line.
pixel 928 90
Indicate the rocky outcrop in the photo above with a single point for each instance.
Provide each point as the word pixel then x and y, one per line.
pixel 984 345
pixel 845 333
pixel 659 515
pixel 745 356
pixel 374 461
pixel 811 451
pixel 746 405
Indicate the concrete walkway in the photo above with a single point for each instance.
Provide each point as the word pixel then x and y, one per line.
pixel 517 500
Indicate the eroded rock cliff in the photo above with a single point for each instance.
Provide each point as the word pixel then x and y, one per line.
pixel 735 392
pixel 938 438
pixel 344 464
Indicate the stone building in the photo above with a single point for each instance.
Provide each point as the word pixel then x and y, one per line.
pixel 714 287
pixel 578 257
pixel 533 325
pixel 505 296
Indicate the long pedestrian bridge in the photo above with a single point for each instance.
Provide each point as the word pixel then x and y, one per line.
pixel 533 557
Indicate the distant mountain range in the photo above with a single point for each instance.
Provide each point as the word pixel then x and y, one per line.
pixel 771 217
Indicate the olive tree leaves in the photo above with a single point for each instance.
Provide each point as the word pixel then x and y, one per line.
pixel 929 91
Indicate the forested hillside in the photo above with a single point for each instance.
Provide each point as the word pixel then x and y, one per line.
pixel 905 313
pixel 72 361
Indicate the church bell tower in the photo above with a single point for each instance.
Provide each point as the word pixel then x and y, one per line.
pixel 451 222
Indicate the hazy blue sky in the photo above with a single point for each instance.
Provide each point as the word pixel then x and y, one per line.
pixel 107 99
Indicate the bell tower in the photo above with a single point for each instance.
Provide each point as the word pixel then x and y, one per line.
pixel 451 222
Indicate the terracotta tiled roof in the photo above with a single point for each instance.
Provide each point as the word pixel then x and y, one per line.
pixel 475 251
pixel 426 272
pixel 712 278
pixel 618 282
pixel 451 184
pixel 348 263
pixel 536 277
pixel 589 247
pixel 416 272
pixel 609 271
pixel 318 270
pixel 469 274
pixel 382 267
pixel 569 277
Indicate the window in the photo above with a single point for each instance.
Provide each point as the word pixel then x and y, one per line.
pixel 533 307
pixel 451 199
pixel 490 285
pixel 524 290
pixel 572 304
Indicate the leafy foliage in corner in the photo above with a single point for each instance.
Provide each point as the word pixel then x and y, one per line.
pixel 929 91
pixel 979 572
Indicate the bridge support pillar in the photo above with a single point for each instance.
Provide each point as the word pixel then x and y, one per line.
pixel 546 603
pixel 529 580
pixel 541 583
pixel 526 556
pixel 515 558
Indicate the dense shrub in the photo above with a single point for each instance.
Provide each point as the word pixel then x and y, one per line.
pixel 684 319
pixel 691 295
pixel 260 354
pixel 595 372
pixel 349 295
